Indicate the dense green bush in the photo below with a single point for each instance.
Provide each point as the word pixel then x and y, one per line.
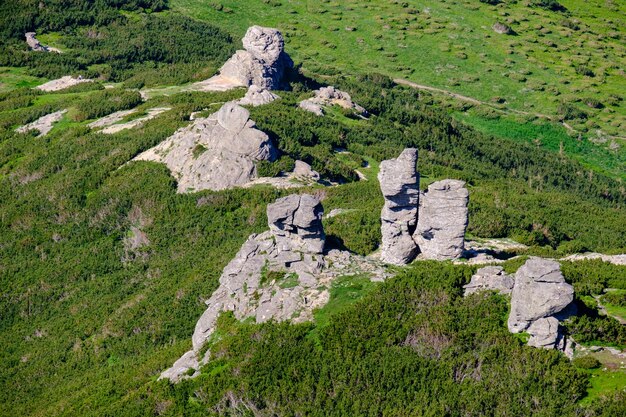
pixel 586 362
pixel 105 102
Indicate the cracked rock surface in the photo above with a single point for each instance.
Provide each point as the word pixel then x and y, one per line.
pixel 440 232
pixel 328 96
pixel 216 152
pixel 399 183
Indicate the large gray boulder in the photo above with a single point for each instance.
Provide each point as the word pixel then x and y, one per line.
pixel 262 63
pixel 540 291
pixel 490 278
pixel 440 232
pixel 299 218
pixel 399 183
pixel 216 152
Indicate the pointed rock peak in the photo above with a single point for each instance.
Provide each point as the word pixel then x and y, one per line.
pixel 233 117
pixel 265 44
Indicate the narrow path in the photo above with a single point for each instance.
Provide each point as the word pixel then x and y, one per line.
pixel 602 310
pixel 403 81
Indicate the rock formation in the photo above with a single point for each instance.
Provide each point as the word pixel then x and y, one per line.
pixel 43 124
pixel 540 297
pixel 490 278
pixel 433 222
pixel 328 96
pixel 216 152
pixel 35 45
pixel 303 171
pixel 440 232
pixel 399 183
pixel 280 274
pixel 61 83
pixel 262 62
pixel 257 96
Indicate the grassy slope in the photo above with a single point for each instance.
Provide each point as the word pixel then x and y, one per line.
pixel 451 45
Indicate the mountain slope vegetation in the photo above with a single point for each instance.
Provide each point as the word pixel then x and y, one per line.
pixel 89 319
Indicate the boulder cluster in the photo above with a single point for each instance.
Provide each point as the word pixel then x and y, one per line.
pixel 432 222
pixel 281 274
pixel 328 96
pixel 540 299
pixel 216 152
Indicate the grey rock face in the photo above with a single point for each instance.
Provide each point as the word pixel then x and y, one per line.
pixel 304 171
pixel 546 333
pixel 299 219
pixel 540 291
pixel 216 152
pixel 490 278
pixel 328 96
pixel 440 232
pixel 262 63
pixel 399 183
pixel 257 96
pixel 279 274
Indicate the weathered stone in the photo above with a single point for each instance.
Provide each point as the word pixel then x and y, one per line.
pixel 263 62
pixel 214 153
pixel 257 96
pixel 440 232
pixel 399 183
pixel 490 278
pixel 298 216
pixel 546 333
pixel 303 171
pixel 328 96
pixel 540 291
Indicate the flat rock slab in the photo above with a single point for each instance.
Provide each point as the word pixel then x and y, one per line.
pixel 62 83
pixel 490 278
pixel 118 127
pixel 43 124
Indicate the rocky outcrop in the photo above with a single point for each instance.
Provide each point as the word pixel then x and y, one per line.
pixel 62 83
pixel 297 220
pixel 440 232
pixel 35 45
pixel 257 96
pixel 540 297
pixel 303 171
pixel 328 96
pixel 216 152
pixel 43 124
pixel 262 62
pixel 490 278
pixel 399 183
pixel 281 274
pixel 432 222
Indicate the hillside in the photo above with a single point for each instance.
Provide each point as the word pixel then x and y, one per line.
pixel 106 261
